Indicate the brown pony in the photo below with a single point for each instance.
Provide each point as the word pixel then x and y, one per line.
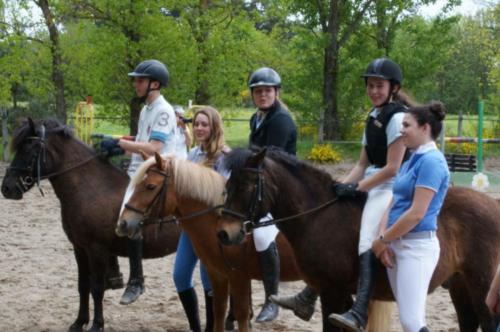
pixel 188 189
pixel 90 191
pixel 325 243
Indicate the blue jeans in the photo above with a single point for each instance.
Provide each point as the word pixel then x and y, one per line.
pixel 185 262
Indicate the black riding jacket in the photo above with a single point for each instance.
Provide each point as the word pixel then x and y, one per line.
pixel 277 129
pixel 376 137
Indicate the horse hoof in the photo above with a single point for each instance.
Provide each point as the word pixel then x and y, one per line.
pixel 229 325
pixel 77 326
pixel 96 328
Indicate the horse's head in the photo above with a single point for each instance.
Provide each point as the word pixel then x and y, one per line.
pixel 154 196
pixel 247 198
pixel 34 157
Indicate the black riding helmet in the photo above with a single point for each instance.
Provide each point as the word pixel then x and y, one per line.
pixel 153 69
pixel 386 69
pixel 264 76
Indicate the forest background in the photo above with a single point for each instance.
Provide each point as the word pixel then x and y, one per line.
pixel 55 53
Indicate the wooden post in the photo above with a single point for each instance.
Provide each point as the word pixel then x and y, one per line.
pixel 5 134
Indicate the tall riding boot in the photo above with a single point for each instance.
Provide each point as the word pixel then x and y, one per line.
pixel 302 303
pixel 209 311
pixel 424 329
pixel 114 278
pixel 135 285
pixel 355 319
pixel 270 267
pixel 189 302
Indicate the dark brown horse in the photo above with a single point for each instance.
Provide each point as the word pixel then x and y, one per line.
pixel 185 189
pixel 325 243
pixel 90 191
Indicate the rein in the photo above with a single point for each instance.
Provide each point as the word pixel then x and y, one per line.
pixel 251 221
pixel 39 160
pixel 161 196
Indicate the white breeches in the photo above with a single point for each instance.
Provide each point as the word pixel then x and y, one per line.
pixel 264 236
pixel 376 204
pixel 415 262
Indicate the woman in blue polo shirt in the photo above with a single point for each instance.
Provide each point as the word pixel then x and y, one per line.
pixel 408 245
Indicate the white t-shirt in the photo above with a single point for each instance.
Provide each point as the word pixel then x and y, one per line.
pixel 180 149
pixel 156 122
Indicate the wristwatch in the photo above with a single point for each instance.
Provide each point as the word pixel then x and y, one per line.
pixel 383 240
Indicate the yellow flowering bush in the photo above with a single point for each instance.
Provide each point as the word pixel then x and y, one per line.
pixel 470 148
pixel 324 153
pixel 310 131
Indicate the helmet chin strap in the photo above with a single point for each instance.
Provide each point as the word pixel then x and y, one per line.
pixel 391 95
pixel 148 91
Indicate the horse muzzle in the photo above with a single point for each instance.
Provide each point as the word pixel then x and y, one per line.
pixel 11 191
pixel 130 228
pixel 228 238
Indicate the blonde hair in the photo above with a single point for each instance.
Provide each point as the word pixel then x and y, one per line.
pixel 216 143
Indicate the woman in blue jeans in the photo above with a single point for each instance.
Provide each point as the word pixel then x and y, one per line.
pixel 210 146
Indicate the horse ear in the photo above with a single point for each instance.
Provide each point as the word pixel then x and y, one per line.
pixel 159 161
pixel 258 158
pixel 32 125
pixel 143 155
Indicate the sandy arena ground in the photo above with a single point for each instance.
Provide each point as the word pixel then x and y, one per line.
pixel 38 281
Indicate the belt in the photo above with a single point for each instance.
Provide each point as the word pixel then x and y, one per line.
pixel 419 235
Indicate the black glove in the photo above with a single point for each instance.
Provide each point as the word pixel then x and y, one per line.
pixel 346 189
pixel 109 148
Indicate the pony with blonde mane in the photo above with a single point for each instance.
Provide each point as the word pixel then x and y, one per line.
pixel 190 188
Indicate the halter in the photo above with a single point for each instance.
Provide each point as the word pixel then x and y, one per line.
pixel 252 220
pixel 39 159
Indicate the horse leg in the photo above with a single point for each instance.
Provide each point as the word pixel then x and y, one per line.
pixel 333 302
pixel 240 291
pixel 83 290
pixel 467 318
pixel 98 266
pixel 477 288
pixel 220 287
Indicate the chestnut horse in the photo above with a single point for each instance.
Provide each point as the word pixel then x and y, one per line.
pixel 189 189
pixel 325 243
pixel 90 191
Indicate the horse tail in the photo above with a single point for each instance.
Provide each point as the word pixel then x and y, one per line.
pixel 379 317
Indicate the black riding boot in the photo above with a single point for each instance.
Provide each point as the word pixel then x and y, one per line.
pixel 270 267
pixel 189 302
pixel 355 319
pixel 209 311
pixel 302 303
pixel 114 278
pixel 135 285
pixel 424 329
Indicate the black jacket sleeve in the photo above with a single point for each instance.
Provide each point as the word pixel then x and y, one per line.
pixel 280 130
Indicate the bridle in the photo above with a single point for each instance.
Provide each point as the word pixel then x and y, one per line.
pixel 34 169
pixel 251 220
pixel 161 196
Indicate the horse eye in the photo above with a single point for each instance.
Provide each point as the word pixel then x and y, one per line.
pixel 150 186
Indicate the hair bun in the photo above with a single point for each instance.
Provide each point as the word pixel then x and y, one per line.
pixel 437 108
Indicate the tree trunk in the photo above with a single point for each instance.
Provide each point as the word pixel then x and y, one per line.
pixel 4 113
pixel 55 50
pixel 201 29
pixel 331 73
pixel 135 111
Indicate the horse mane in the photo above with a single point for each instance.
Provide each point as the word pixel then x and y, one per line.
pixel 51 125
pixel 191 180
